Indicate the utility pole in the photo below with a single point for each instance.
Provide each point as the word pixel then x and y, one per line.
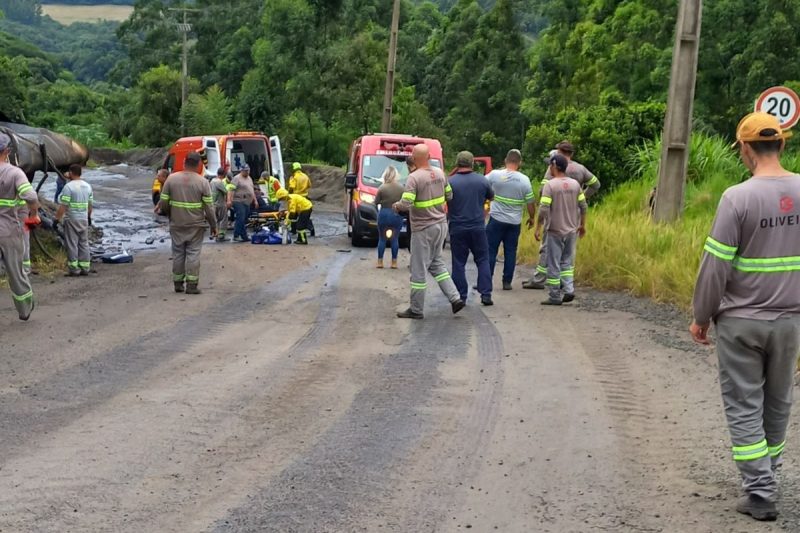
pixel 388 95
pixel 184 28
pixel 675 141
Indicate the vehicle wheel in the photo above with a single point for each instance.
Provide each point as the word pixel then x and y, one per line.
pixel 350 226
pixel 355 238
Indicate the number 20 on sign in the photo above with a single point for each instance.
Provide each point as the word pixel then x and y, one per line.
pixel 781 102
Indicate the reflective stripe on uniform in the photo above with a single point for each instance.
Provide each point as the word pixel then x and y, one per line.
pixel 22 297
pixel 443 276
pixel 529 197
pixel 186 205
pixel 775 451
pixel 84 264
pixel 766 265
pixel 72 264
pixel 568 273
pixel 207 200
pixel 65 198
pixel 78 206
pixel 581 197
pixel 164 196
pixel 230 187
pixel 541 269
pixel 178 277
pixel 25 187
pixel 719 250
pixel 191 278
pixel 592 181
pixel 546 200
pixel 751 451
pixel 448 188
pixel 433 202
pixel 418 286
pixel 410 196
pixel 26 262
pixel 553 281
pixel 509 201
pixel 8 203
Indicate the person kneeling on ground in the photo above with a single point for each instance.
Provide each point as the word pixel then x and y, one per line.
pixel 75 203
pixel 298 207
pixel 563 213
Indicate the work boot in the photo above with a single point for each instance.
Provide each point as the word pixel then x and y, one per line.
pixel 569 298
pixel 72 274
pixel 408 313
pixel 757 507
pixel 507 286
pixel 222 238
pixel 394 264
pixel 26 317
pixel 380 263
pixel 457 306
pixel 552 302
pixel 486 300
pixel 178 286
pixel 531 284
pixel 84 273
pixel 191 288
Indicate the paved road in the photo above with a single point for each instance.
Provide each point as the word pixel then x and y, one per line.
pixel 288 398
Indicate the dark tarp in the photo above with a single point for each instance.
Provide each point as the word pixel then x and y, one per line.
pixel 31 144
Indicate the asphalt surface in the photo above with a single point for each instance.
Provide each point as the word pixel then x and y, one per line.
pixel 288 398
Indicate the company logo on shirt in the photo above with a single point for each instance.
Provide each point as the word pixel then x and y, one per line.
pixel 787 204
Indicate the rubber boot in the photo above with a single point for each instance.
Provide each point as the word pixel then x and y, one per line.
pixel 178 286
pixel 191 288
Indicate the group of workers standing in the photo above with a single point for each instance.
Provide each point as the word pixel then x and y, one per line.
pixel 19 213
pixel 192 203
pixel 438 207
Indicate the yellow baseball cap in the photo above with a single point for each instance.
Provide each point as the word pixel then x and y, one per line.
pixel 750 128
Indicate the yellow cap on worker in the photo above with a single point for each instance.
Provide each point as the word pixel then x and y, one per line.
pixel 752 126
pixel 281 194
pixel 297 166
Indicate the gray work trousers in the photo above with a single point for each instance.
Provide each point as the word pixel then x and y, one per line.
pixel 426 256
pixel 540 276
pixel 11 250
pixel 26 250
pixel 757 361
pixel 560 265
pixel 76 237
pixel 187 243
pixel 222 218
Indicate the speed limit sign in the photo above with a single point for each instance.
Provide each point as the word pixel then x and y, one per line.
pixel 782 103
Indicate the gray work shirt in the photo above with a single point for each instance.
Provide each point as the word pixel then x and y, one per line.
pixel 588 181
pixel 76 196
pixel 14 186
pixel 563 202
pixel 751 265
pixel 512 192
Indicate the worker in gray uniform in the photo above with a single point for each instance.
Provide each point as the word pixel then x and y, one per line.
pixel 426 194
pixel 749 285
pixel 186 200
pixel 563 213
pixel 590 185
pixel 75 209
pixel 14 186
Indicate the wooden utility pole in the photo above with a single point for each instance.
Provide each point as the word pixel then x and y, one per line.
pixel 388 95
pixel 678 122
pixel 184 28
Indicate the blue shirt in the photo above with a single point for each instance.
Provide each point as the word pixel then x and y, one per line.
pixel 470 192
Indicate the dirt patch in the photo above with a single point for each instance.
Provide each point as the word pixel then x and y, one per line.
pixel 327 183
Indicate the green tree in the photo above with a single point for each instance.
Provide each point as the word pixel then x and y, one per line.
pixel 208 113
pixel 14 99
pixel 157 106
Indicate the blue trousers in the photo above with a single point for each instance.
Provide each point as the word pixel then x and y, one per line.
pixel 388 219
pixel 462 242
pixel 242 211
pixel 507 235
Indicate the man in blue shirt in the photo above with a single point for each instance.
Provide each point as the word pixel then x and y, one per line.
pixel 467 226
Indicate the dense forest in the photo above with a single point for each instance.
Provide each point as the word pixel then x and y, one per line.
pixel 483 75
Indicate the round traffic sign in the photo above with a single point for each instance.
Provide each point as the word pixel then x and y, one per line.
pixel 782 103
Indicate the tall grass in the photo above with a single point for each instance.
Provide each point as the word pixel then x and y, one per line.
pixel 625 250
